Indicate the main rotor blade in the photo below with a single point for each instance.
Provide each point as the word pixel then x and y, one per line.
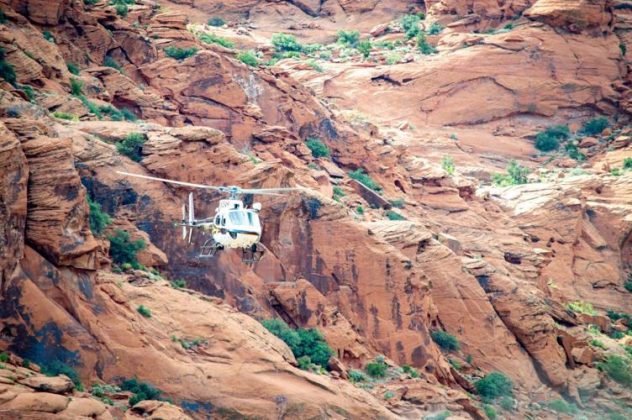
pixel 169 181
pixel 269 191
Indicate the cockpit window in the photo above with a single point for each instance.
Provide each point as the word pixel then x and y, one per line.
pixel 237 218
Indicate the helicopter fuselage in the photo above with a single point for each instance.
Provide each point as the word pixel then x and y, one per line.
pixel 235 226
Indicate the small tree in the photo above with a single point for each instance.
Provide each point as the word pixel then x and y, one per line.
pixel 410 25
pixel 132 146
pixel 318 148
pixel 123 250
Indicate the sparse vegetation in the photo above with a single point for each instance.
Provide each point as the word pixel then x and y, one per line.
pixel 360 210
pixel 115 114
pixel 73 68
pixel 99 220
pixel 286 43
pixel 141 390
pixel 507 403
pixel 398 203
pixel 490 411
pixel 618 369
pixel 318 148
pixel 132 146
pixel 394 216
pixel 57 367
pixel 144 311
pixel 435 29
pixel 445 340
pixel 28 91
pixel 377 368
pixel 598 343
pixel 494 385
pixel 249 58
pixel 447 163
pixel 627 164
pixel 423 46
pixel 364 47
pixel 209 38
pixel 594 126
pixel 216 21
pixel 123 250
pixel 48 36
pixel 100 390
pixel 562 406
pixel 362 177
pixel 393 58
pixel 628 285
pixel 338 193
pixel 515 175
pixel 410 25
pixel 549 139
pixel 581 308
pixel 65 116
pixel 414 373
pixel 349 38
pixel 7 72
pixel 356 376
pixel 4 357
pixel 178 284
pixel 76 87
pixel 111 62
pixel 302 342
pixel 180 53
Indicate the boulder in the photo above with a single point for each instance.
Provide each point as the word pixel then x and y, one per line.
pixel 56 384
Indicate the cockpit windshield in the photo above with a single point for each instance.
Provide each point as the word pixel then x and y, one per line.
pixel 243 218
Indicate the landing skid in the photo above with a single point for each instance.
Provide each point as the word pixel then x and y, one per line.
pixel 249 255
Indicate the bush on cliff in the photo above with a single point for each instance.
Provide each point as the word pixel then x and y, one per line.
pixel 318 148
pixel 132 146
pixel 494 385
pixel 445 340
pixel 302 342
pixel 99 219
pixel 515 175
pixel 286 43
pixel 7 72
pixel 180 53
pixel 594 126
pixel 362 177
pixel 549 139
pixel 141 390
pixel 618 368
pixel 123 250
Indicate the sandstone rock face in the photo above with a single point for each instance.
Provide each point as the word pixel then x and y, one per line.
pixel 494 267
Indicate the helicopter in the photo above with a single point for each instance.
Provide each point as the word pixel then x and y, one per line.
pixel 234 226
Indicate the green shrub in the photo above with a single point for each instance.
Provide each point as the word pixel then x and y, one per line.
pixel 57 367
pixel 65 116
pixel 435 29
pixel 313 64
pixel 594 126
pixel 414 373
pixel 144 311
pixel 581 308
pixel 4 357
pixel 90 2
pixel 393 59
pixel 48 36
pixel 362 177
pixel 618 369
pixel 121 9
pixel 388 395
pixel 423 46
pixel 26 363
pixel 302 342
pixel 573 151
pixel 627 163
pixel 141 390
pixel 132 146
pixel 469 359
pixel 73 68
pixel 398 203
pixel 28 91
pixel 394 216
pixel 178 284
pixel 99 220
pixel 597 343
pixel 494 385
pixel 376 368
pixel 515 175
pixel 447 163
pixel 318 148
pixel 338 193
pixel 507 403
pixel 286 43
pixel 490 411
pixel 410 25
pixel 249 58
pixel 304 362
pixel 441 416
pixel 628 285
pixel 356 376
pixel 349 38
pixel 111 62
pixel 562 406
pixel 7 72
pixel 360 210
pixel 115 114
pixel 550 138
pixel 76 87
pixel 180 53
pixel 216 21
pixel 214 39
pixel 455 364
pixel 3 17
pixel 445 340
pixel 365 48
pixel 615 172
pixel 123 250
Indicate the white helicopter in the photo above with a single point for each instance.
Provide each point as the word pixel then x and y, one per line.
pixel 234 226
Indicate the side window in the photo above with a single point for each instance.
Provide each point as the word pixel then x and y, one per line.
pixel 217 219
pixel 223 221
